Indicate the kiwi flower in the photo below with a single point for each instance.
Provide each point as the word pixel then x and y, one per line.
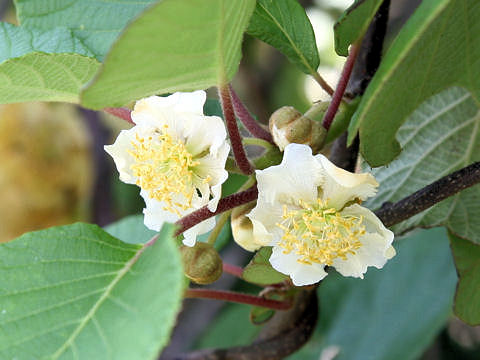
pixel 309 211
pixel 177 156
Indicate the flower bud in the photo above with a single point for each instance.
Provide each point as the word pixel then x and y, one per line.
pixel 288 125
pixel 202 264
pixel 242 227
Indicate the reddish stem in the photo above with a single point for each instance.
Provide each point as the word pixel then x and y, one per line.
pixel 247 120
pixel 224 204
pixel 238 298
pixel 341 86
pixel 232 270
pixel 122 113
pixel 235 138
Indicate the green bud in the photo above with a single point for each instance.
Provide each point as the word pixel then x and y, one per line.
pixel 202 264
pixel 288 125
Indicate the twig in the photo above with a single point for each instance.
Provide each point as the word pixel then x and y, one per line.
pixel 449 185
pixel 224 204
pixel 341 86
pixel 234 270
pixel 122 113
pixel 247 120
pixel 235 138
pixel 238 298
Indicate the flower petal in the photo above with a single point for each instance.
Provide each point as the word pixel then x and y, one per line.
pixel 300 273
pixel 296 178
pixel 376 246
pixel 196 139
pixel 191 234
pixel 265 217
pixel 342 186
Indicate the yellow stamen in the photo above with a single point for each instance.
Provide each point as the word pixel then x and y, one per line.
pixel 164 168
pixel 320 234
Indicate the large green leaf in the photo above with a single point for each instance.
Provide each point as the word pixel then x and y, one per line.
pixel 441 136
pixel 438 48
pixel 16 41
pixel 392 314
pixel 45 77
pixel 96 22
pixel 353 24
pixel 75 292
pixel 467 298
pixel 173 46
pixel 131 230
pixel 285 26
pixel 37 66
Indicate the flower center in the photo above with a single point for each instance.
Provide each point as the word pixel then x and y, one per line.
pixel 163 167
pixel 320 234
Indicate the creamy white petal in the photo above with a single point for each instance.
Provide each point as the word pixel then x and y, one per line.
pixel 191 234
pixel 265 217
pixel 301 274
pixel 155 215
pixel 119 151
pixel 342 186
pixel 205 133
pixel 296 178
pixel 376 246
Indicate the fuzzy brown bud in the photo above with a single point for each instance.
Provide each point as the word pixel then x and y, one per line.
pixel 288 125
pixel 202 264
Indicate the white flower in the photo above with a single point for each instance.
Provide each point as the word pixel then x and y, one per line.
pixel 308 210
pixel 176 155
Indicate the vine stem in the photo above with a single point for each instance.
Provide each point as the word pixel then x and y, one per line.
pixel 258 142
pixel 212 238
pixel 232 128
pixel 238 298
pixel 224 204
pixel 122 113
pixel 341 86
pixel 247 120
pixel 449 185
pixel 321 81
pixel 233 270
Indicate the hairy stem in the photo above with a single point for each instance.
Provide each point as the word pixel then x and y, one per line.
pixel 122 113
pixel 238 298
pixel 449 185
pixel 233 270
pixel 224 204
pixel 247 120
pixel 341 86
pixel 232 128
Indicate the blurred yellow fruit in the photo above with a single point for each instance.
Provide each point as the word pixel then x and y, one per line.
pixel 45 167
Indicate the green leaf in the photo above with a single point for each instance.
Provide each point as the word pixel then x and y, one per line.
pixel 392 314
pixel 438 48
pixel 285 26
pixel 29 73
pixel 45 77
pixel 467 298
pixel 131 230
pixel 76 292
pixel 154 55
pixel 96 23
pixel 353 24
pixel 16 41
pixel 441 136
pixel 259 271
